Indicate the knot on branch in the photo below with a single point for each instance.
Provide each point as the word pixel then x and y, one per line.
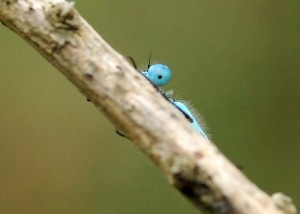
pixel 63 16
pixel 284 203
pixel 201 193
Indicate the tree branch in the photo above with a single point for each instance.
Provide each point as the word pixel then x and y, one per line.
pixel 193 166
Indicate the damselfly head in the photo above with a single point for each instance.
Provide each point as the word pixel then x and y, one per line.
pixel 158 74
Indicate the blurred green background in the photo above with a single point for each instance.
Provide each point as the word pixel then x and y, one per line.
pixel 236 61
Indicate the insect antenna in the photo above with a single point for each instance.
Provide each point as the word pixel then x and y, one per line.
pixel 149 62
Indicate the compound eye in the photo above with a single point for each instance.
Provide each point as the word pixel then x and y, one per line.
pixel 159 74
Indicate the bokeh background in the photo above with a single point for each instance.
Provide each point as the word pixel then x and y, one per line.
pixel 236 61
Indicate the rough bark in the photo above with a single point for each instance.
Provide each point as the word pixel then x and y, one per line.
pixel 193 166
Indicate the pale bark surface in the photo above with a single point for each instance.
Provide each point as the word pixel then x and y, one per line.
pixel 193 166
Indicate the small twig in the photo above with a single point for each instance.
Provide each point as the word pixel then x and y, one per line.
pixel 196 168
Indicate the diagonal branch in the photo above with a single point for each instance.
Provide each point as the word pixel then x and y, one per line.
pixel 196 168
